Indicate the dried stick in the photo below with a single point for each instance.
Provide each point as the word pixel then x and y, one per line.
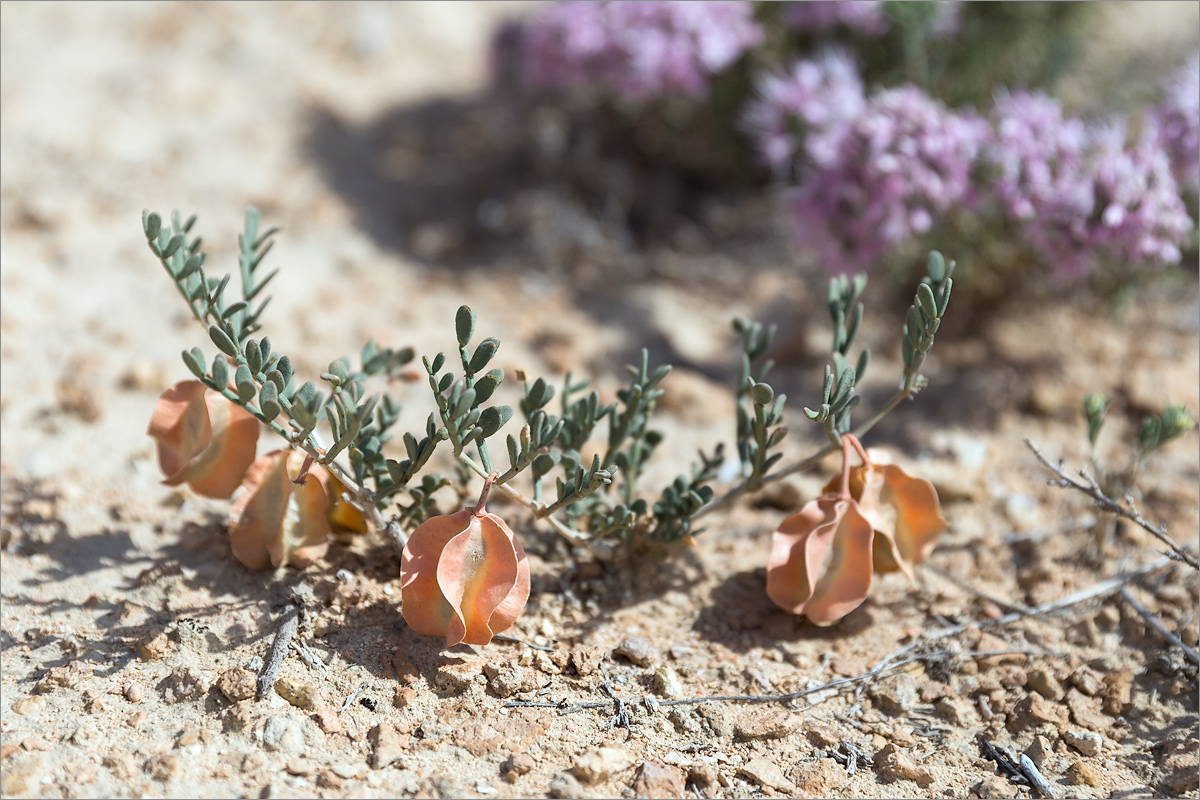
pixel 504 637
pixel 350 698
pixel 1192 655
pixel 1015 608
pixel 1098 590
pixel 1036 779
pixel 770 698
pixel 1020 771
pixel 1092 489
pixel 279 649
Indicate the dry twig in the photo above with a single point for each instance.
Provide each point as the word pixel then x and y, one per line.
pixel 1192 655
pixel 279 648
pixel 1015 608
pixel 1098 590
pixel 1092 489
pixel 620 708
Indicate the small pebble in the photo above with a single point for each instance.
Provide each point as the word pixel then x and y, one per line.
pixel 1042 681
pixel 162 766
pixel 1085 773
pixel 667 683
pixel 993 787
pixel 154 646
pixel 894 762
pixel 29 705
pixel 518 764
pixel 389 745
pixel 1086 680
pixel 765 773
pixel 898 695
pixel 281 735
pixel 637 649
pixel 297 692
pixel 301 766
pixel 586 660
pixel 599 764
pixel 1087 742
pixel 1039 751
pixel 657 780
pixel 766 724
pixel 238 684
pixel 564 786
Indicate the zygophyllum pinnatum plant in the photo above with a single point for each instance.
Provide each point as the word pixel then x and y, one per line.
pixel 464 574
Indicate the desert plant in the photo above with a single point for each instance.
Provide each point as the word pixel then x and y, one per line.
pixel 463 569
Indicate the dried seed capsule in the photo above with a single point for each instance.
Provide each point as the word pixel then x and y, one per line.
pixel 203 439
pixel 277 521
pixel 464 576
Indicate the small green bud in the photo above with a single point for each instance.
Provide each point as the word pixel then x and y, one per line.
pixel 763 394
pixel 1095 407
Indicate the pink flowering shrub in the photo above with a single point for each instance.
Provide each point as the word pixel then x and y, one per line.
pixel 864 17
pixel 637 49
pixel 1139 216
pixel 1178 124
pixel 1079 196
pixel 900 165
pixel 1039 177
pixel 871 171
pixel 801 115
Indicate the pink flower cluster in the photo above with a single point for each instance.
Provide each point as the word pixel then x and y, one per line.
pixel 901 164
pixel 1039 178
pixel 800 116
pixel 864 17
pixel 1178 121
pixel 1141 217
pixel 637 49
pixel 1077 194
pixel 873 173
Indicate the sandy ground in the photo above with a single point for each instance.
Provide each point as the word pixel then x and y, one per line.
pixel 125 619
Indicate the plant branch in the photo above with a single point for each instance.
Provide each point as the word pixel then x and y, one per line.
pixel 788 696
pixel 1092 489
pixel 569 533
pixel 806 463
pixel 1192 655
pixel 1100 589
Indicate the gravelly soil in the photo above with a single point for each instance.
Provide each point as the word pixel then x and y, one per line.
pixel 127 627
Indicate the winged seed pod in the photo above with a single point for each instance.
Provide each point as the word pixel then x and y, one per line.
pixel 903 510
pixel 820 563
pixel 203 439
pixel 872 518
pixel 464 576
pixel 277 522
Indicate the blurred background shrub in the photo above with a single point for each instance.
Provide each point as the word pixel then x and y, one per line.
pixel 878 130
